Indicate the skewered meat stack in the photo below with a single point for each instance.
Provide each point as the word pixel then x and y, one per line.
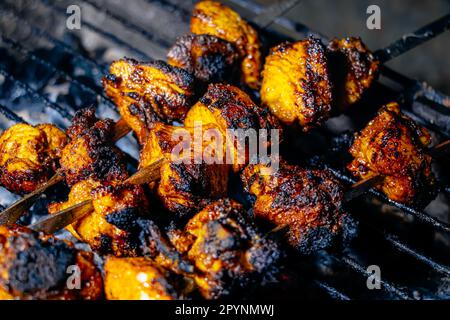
pixel 393 146
pixel 33 266
pixel 94 168
pixel 305 83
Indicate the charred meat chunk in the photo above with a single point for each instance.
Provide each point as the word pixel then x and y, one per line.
pixel 228 251
pixel 213 18
pixel 307 203
pixel 394 146
pixel 185 185
pixel 296 85
pixel 231 110
pixel 36 267
pixel 29 156
pixel 91 154
pixel 149 92
pixel 208 58
pixel 353 68
pixel 107 227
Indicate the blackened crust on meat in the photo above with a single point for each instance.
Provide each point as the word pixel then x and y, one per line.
pixel 221 236
pixel 125 219
pixel 182 78
pixel 83 120
pixel 40 267
pixel 148 92
pixel 34 266
pixel 209 58
pixel 296 85
pixel 308 203
pixel 317 98
pixel 104 245
pixel 120 205
pixel 31 266
pixel 22 182
pixel 102 161
pixel 237 108
pixel 353 68
pixel 190 187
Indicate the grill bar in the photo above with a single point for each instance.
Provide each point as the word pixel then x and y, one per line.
pixel 182 12
pixel 17 46
pixel 178 10
pixel 427 124
pixel 331 291
pixel 11 115
pixel 387 286
pixel 412 40
pixel 415 89
pixel 56 42
pixel 34 93
pixel 105 34
pixel 405 248
pixel 394 240
pixel 439 225
pixel 149 36
pixel 278 9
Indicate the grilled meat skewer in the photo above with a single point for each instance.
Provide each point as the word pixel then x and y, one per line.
pixel 11 214
pixel 94 167
pixel 305 82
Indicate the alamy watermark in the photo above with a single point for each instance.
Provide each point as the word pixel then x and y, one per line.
pixel 73 21
pixel 373 21
pixel 74 280
pixel 374 279
pixel 210 145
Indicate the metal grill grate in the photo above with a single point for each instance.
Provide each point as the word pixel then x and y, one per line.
pixel 413 92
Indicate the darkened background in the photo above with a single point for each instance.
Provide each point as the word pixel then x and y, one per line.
pixel 338 18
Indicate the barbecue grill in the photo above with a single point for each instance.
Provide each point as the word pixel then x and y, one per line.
pixel 47 72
